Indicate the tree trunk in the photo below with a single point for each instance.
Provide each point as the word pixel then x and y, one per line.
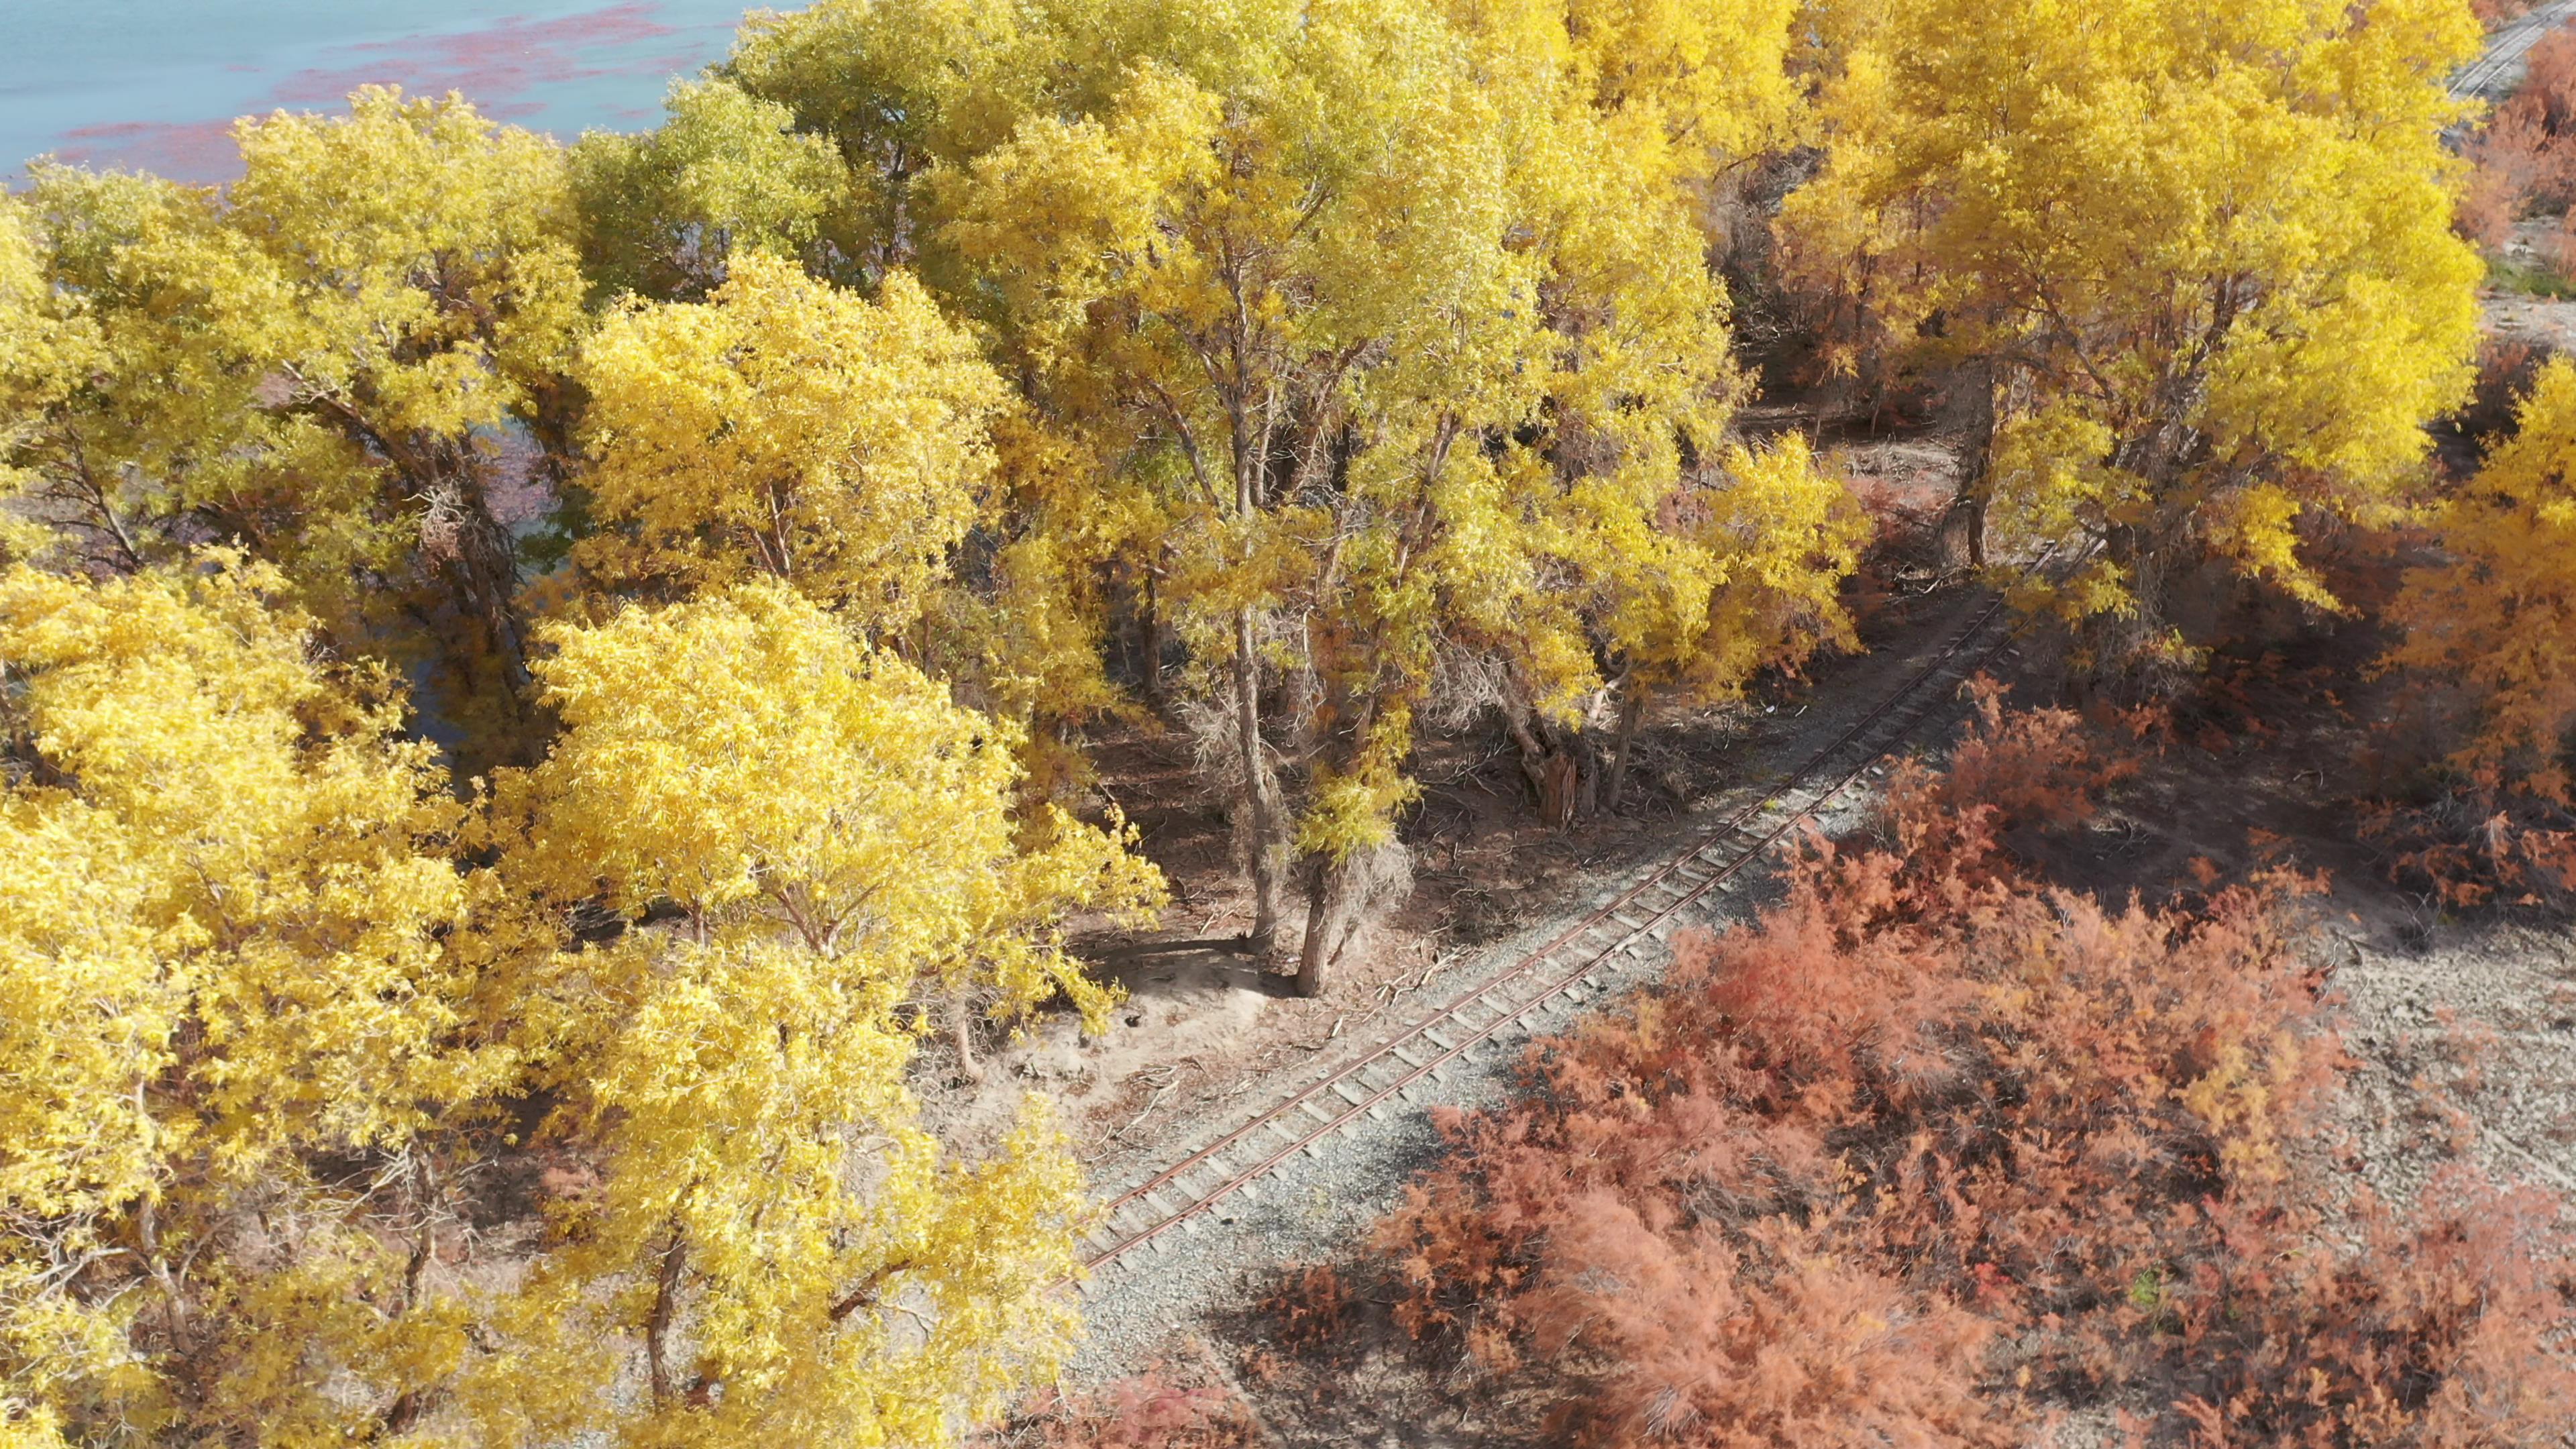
pixel 2122 644
pixel 1266 845
pixel 657 1327
pixel 1554 774
pixel 1632 715
pixel 472 555
pixel 1328 907
pixel 961 1031
pixel 1963 524
pixel 1157 639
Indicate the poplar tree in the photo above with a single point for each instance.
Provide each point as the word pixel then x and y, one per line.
pixel 2201 258
pixel 824 837
pixel 1355 337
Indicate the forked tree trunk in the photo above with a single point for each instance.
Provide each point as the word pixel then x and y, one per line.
pixel 1553 767
pixel 1328 911
pixel 1632 715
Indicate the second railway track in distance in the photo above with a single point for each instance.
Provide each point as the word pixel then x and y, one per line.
pixel 1560 973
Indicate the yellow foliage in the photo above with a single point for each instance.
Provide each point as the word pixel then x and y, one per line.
pixel 427 254
pixel 140 337
pixel 787 428
pixel 663 211
pixel 1360 332
pixel 746 759
pixel 2207 253
pixel 2495 618
pixel 223 889
pixel 834 834
pixel 335 365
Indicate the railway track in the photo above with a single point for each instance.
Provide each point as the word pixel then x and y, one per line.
pixel 2492 73
pixel 1552 979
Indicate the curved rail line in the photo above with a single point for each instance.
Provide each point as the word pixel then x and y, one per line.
pixel 1557 973
pixel 2507 46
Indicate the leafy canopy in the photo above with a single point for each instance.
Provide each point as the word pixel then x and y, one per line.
pixel 833 833
pixel 224 884
pixel 791 429
pixel 2494 618
pixel 2207 251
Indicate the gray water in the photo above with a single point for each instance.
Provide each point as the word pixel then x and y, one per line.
pixel 154 84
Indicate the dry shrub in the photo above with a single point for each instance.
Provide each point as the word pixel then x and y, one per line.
pixel 2549 83
pixel 1312 1307
pixel 2480 843
pixel 1932 1146
pixel 1162 1408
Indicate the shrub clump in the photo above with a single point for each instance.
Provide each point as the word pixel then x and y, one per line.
pixel 1934 1148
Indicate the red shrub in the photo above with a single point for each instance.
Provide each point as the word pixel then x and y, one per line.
pixel 1312 1307
pixel 2482 844
pixel 1932 1143
pixel 2549 83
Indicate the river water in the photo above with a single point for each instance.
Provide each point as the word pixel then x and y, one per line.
pixel 154 84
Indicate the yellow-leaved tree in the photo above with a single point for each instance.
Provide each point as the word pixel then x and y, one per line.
pixel 141 396
pixel 231 1029
pixel 2496 617
pixel 265 1034
pixel 1359 339
pixel 2200 257
pixel 433 292
pixel 664 211
pixel 790 429
pixel 805 842
pixel 350 363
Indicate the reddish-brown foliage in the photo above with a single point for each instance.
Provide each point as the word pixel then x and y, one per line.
pixel 1312 1307
pixel 2483 843
pixel 2492 13
pixel 1934 1145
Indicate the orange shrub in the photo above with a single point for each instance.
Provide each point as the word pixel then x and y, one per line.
pixel 1932 1144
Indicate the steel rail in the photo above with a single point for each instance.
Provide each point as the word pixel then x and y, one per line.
pixel 2510 43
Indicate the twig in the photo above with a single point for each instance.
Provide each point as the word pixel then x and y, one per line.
pixel 1151 1103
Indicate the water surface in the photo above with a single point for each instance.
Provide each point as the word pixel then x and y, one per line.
pixel 155 83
